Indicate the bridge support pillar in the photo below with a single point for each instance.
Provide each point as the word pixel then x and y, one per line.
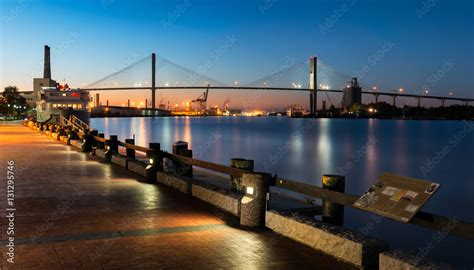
pixel 153 82
pixel 313 85
pixel 419 102
pixel 467 103
pixel 443 101
pixel 376 98
pixel 394 102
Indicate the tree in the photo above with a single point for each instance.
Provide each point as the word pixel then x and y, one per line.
pixel 12 103
pixel 12 96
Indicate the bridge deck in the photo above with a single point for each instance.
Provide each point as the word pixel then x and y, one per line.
pixel 74 212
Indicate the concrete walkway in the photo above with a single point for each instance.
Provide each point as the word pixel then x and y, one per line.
pixel 73 212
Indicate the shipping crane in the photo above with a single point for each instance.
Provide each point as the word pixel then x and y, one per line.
pixel 202 99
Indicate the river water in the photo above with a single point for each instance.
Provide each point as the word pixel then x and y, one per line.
pixel 305 149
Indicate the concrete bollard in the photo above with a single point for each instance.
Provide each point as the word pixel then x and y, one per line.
pixel 253 204
pixel 111 147
pixel 180 148
pixel 130 152
pixel 332 212
pixel 155 162
pixel 243 164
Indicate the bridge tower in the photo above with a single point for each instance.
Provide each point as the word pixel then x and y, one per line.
pixel 153 82
pixel 313 85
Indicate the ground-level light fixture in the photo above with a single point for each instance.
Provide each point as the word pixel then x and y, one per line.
pixel 249 190
pixel 151 161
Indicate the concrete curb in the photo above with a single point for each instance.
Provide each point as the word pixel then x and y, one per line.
pixel 220 198
pixel 121 161
pixel 336 241
pixel 401 259
pixel 137 167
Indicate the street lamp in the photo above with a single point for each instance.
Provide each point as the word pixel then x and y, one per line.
pixel 400 90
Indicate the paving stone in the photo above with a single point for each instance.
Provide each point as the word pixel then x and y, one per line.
pixel 74 212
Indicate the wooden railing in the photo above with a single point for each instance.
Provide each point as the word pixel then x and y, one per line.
pixel 134 147
pixel 78 123
pixel 432 221
pixel 462 229
pixel 204 164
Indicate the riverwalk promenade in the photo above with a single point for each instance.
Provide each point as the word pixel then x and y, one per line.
pixel 72 211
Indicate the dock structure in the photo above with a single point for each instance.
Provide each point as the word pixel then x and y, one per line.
pixel 73 212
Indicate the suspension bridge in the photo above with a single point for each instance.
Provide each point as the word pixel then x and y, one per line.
pixel 311 76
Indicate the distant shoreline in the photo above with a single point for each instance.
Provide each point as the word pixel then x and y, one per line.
pixel 339 117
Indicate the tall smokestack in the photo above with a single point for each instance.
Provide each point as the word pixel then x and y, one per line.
pixel 47 63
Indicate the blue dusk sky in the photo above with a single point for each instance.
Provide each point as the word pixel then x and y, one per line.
pixel 392 44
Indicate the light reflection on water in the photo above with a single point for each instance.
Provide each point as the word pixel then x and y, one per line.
pixel 279 145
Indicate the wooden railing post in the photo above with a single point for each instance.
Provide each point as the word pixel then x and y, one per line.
pixel 243 164
pixel 332 212
pixel 71 135
pixel 180 148
pixel 130 152
pixel 155 162
pixel 253 204
pixel 111 147
pixel 100 145
pixel 87 142
pixel 61 132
